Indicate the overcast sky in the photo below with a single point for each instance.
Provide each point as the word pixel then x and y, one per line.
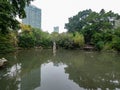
pixel 57 12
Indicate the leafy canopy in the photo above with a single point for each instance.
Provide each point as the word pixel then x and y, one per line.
pixel 9 9
pixel 89 22
pixel 88 19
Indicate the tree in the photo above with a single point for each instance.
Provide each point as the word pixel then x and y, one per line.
pixel 26 40
pixel 116 39
pixel 77 22
pixel 33 37
pixel 9 9
pixel 89 22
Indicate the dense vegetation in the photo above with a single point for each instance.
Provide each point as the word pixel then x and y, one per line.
pixel 68 40
pixel 86 28
pixel 9 10
pixel 99 29
pixel 31 37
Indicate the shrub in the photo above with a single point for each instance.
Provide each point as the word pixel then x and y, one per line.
pixel 5 43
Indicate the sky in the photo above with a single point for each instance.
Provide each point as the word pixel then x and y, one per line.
pixel 57 12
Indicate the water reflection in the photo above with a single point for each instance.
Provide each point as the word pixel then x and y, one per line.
pixel 54 48
pixel 54 78
pixel 67 70
pixel 95 72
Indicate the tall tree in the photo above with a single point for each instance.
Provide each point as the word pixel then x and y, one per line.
pixel 9 9
pixel 88 22
pixel 77 22
pixel 85 18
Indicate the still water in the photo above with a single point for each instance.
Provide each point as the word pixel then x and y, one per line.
pixel 65 70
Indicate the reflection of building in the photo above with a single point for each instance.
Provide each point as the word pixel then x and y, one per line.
pixel 33 16
pixel 56 29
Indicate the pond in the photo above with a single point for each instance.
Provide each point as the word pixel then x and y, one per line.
pixel 38 69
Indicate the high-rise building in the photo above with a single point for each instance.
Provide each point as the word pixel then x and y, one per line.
pixel 33 16
pixel 56 29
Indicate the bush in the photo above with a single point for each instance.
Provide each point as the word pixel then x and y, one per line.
pixel 26 41
pixel 65 40
pixel 116 43
pixel 108 46
pixel 99 45
pixel 34 38
pixel 5 43
pixel 70 40
pixel 78 40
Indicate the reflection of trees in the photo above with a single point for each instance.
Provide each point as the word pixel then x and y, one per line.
pixel 9 77
pixel 31 67
pixel 32 59
pixel 88 70
pixel 23 69
pixel 98 71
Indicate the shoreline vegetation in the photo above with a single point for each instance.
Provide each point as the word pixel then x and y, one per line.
pixel 88 30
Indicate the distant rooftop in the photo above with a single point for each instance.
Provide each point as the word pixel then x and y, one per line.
pixel 32 6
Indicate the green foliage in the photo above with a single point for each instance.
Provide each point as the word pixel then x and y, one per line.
pixel 99 45
pixel 89 22
pixel 9 9
pixel 46 40
pixel 6 44
pixel 102 40
pixel 116 43
pixel 7 20
pixel 97 37
pixel 36 33
pixel 116 39
pixel 78 39
pixel 65 40
pixel 71 41
pixel 117 31
pixel 55 36
pixel 107 40
pixel 26 40
pixel 108 47
pixel 34 38
pixel 86 27
pixel 77 22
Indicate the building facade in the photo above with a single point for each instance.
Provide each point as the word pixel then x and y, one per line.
pixel 56 29
pixel 33 16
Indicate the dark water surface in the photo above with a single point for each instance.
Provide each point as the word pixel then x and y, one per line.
pixel 67 70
